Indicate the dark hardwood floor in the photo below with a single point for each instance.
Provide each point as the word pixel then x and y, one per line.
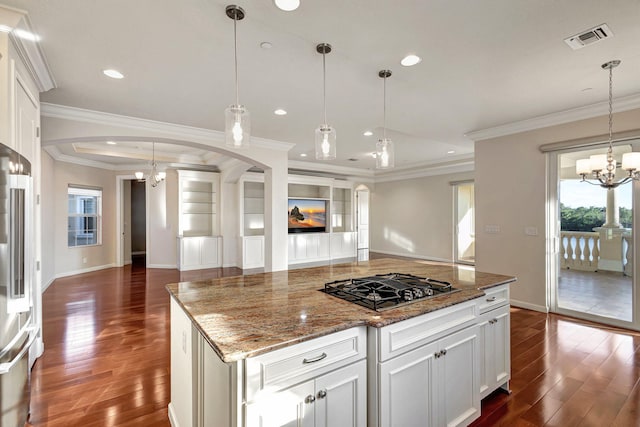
pixel 106 360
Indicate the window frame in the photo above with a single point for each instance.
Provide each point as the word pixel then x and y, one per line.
pixel 84 219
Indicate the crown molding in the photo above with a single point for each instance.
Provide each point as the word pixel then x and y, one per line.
pixel 462 163
pixel 326 168
pixel 32 56
pixel 55 153
pixel 179 132
pixel 581 113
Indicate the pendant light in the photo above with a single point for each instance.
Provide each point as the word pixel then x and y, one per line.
pixel 237 126
pixel 602 167
pixel 384 147
pixel 325 134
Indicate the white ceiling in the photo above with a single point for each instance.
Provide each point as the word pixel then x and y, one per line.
pixel 485 64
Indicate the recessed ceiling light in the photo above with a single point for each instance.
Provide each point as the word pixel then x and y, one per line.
pixel 111 142
pixel 287 5
pixel 451 151
pixel 410 60
pixel 114 74
pixel 280 112
pixel 303 155
pixel 367 133
pixel 266 45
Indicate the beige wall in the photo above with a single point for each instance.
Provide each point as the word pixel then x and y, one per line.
pixel 71 260
pixel 47 191
pixel 414 217
pixel 511 188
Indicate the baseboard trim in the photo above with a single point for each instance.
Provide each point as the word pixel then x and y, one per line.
pixel 403 254
pixel 529 306
pixel 84 270
pixel 164 266
pixel 47 284
pixel 172 416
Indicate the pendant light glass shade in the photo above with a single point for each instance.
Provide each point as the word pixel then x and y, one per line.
pixel 325 143
pixel 237 124
pixel 325 134
pixel 385 154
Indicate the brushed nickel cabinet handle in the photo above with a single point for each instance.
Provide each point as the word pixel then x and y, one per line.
pixel 314 359
pixel 492 299
pixel 322 394
pixel 310 399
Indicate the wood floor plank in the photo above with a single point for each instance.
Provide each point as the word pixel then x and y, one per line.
pixel 106 361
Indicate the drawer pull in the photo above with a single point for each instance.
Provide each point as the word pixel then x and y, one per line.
pixel 492 299
pixel 322 394
pixel 314 359
pixel 310 399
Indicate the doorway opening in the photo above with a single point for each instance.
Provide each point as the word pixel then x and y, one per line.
pixel 464 241
pixel 138 223
pixel 595 252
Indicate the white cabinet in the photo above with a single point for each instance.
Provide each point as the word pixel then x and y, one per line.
pixel 433 385
pixel 425 370
pixel 199 252
pixel 334 399
pixel 495 343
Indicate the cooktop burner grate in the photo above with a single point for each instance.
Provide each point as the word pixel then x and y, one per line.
pixel 385 291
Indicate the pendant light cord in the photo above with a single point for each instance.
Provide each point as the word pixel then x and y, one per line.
pixel 324 87
pixel 384 108
pixel 610 112
pixel 235 53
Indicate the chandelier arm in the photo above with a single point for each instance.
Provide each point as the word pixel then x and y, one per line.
pixel 235 55
pixel 324 86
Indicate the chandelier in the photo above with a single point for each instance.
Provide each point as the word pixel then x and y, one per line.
pixel 602 167
pixel 154 176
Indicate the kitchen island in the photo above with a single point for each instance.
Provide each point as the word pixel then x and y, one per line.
pixel 270 349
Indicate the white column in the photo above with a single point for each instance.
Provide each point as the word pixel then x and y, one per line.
pixel 276 189
pixel 612 213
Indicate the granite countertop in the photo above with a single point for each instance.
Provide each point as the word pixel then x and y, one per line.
pixel 244 316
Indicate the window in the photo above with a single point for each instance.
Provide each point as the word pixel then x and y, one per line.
pixel 85 216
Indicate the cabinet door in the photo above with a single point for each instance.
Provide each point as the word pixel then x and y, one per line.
pixel 408 395
pixel 499 354
pixel 458 378
pixel 209 252
pixel 292 407
pixel 484 361
pixel 26 122
pixel 190 253
pixel 341 397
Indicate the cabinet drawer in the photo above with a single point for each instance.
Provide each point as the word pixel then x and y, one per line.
pixel 299 362
pixel 403 336
pixel 495 297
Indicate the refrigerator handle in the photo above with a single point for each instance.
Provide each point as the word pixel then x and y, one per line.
pixel 6 367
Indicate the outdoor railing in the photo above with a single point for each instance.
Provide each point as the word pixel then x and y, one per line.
pixel 579 250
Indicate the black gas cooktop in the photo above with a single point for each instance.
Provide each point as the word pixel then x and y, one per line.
pixel 385 291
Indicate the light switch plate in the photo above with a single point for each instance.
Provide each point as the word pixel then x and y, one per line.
pixel 492 229
pixel 531 231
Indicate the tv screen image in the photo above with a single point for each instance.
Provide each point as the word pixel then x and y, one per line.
pixel 307 215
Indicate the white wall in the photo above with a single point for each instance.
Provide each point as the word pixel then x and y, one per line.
pixel 511 184
pixel 414 217
pixel 162 222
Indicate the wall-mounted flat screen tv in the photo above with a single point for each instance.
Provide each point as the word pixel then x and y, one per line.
pixel 307 216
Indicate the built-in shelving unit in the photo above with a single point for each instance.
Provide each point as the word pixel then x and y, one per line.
pixel 199 244
pixel 337 241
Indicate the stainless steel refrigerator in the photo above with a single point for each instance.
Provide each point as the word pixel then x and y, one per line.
pixel 17 328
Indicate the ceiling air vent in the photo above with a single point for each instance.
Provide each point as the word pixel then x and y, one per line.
pixel 588 37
